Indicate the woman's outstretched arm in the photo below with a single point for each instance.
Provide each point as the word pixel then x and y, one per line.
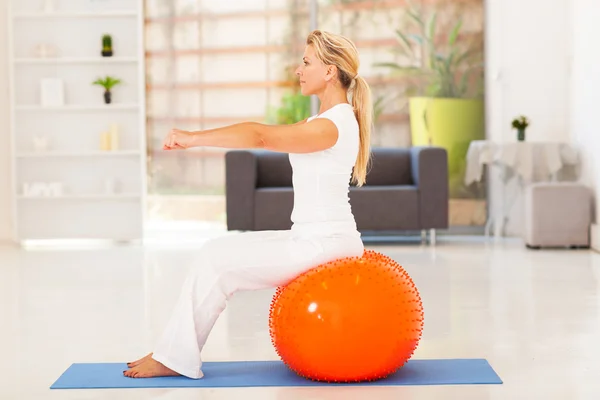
pixel 316 135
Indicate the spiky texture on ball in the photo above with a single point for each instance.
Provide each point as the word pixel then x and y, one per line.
pixel 349 320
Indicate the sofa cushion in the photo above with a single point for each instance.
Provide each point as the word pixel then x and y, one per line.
pixel 273 208
pixel 390 166
pixel 273 170
pixel 385 207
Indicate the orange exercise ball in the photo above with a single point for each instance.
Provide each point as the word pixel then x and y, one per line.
pixel 350 320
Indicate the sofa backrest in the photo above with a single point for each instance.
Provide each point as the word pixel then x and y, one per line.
pixel 389 166
pixel 273 169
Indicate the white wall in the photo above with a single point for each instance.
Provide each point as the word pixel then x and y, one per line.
pixel 5 182
pixel 527 72
pixel 527 64
pixel 585 93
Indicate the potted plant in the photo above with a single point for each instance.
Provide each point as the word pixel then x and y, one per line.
pixel 107 83
pixel 444 85
pixel 107 50
pixel 520 124
pixel 294 107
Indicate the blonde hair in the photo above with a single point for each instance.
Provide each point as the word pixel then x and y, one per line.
pixel 339 51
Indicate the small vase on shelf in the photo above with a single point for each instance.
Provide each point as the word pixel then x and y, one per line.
pixel 520 124
pixel 107 83
pixel 107 50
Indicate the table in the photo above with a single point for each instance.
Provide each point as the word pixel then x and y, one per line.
pixel 519 162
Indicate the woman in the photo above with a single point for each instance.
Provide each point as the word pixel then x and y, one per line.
pixel 325 151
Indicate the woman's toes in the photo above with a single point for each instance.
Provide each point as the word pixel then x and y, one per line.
pixel 135 363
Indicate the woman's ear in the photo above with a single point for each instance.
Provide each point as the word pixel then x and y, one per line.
pixel 331 72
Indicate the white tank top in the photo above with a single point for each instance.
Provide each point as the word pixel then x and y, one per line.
pixel 321 180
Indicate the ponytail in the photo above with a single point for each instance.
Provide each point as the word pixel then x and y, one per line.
pixel 363 109
pixel 340 51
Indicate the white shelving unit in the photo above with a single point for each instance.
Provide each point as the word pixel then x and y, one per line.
pixel 66 183
pixel 74 14
pixel 77 60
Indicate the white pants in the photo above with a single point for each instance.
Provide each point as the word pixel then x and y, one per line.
pixel 245 261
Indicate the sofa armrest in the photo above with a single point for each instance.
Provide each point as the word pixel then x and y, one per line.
pixel 429 167
pixel 240 185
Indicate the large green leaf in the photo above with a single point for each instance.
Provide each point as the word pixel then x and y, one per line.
pixel 441 71
pixel 416 17
pixel 432 23
pixel 404 41
pixel 454 34
pixel 466 56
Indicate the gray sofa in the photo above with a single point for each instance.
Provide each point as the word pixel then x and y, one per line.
pixel 406 190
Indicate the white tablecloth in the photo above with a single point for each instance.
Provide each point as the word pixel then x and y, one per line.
pixel 532 161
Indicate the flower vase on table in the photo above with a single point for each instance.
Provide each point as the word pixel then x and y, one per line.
pixel 520 124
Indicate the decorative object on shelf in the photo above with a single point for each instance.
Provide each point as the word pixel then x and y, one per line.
pixel 114 137
pixel 105 141
pixel 45 50
pixel 110 140
pixel 107 83
pixel 107 50
pixel 40 144
pixel 52 92
pixel 520 124
pixel 42 189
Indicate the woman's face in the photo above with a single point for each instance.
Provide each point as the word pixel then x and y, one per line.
pixel 312 73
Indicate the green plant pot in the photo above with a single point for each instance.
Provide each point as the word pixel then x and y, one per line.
pixel 521 134
pixel 452 124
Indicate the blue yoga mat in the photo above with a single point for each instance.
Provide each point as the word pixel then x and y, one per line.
pixel 275 373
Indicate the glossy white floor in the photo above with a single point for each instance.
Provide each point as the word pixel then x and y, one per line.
pixel 535 315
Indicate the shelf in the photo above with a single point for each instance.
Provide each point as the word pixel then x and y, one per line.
pixel 299 11
pixel 100 107
pixel 225 15
pixel 190 153
pixel 53 154
pixel 226 120
pixel 124 196
pixel 389 42
pixel 222 85
pixel 75 14
pixel 77 60
pixel 218 50
pixel 386 42
pixel 373 81
pixel 213 120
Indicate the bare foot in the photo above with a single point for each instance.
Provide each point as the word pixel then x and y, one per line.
pixel 149 369
pixel 138 362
